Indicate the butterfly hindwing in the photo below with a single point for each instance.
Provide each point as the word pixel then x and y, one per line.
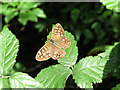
pixel 44 53
pixel 57 53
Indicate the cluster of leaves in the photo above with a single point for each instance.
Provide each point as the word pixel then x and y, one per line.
pixel 24 10
pixel 87 71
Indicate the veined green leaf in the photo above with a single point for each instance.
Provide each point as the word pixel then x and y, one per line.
pixel 54 76
pixel 22 80
pixel 8 50
pixel 112 4
pixel 113 64
pixel 89 70
pixel 27 5
pixel 4 83
pixel 39 12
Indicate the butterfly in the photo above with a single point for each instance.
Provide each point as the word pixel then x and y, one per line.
pixel 53 48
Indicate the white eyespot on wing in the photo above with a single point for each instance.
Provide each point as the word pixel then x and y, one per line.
pixel 41 56
pixel 61 34
pixel 63 39
pixel 48 51
pixel 39 52
pixel 55 27
pixel 59 31
pixel 49 54
pixel 55 52
pixel 45 48
pixel 44 53
pixel 54 55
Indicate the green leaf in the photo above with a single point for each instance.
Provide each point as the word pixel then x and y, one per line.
pixel 111 4
pixel 89 70
pixel 75 14
pixel 116 88
pixel 22 80
pixel 4 83
pixel 10 13
pixel 23 17
pixel 113 64
pixel 71 52
pixel 54 76
pixel 27 5
pixel 39 12
pixel 8 50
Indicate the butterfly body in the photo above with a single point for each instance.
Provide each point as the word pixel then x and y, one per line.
pixel 53 48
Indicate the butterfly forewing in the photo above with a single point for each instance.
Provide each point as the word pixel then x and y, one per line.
pixel 58 36
pixel 45 52
pixel 57 32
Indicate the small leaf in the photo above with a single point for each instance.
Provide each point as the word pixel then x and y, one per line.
pixel 8 50
pixel 22 80
pixel 111 4
pixel 4 83
pixel 54 76
pixel 23 17
pixel 10 14
pixel 75 14
pixel 39 12
pixel 71 52
pixel 89 70
pixel 27 5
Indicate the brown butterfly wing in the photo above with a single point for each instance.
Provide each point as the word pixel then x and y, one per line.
pixel 58 37
pixel 57 53
pixel 44 53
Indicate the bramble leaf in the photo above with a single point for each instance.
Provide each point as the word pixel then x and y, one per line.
pixel 4 83
pixel 111 4
pixel 54 76
pixel 22 80
pixel 8 50
pixel 89 70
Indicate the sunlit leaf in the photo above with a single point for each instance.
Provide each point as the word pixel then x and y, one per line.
pixel 54 76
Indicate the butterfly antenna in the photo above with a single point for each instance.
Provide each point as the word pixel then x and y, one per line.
pixel 47 31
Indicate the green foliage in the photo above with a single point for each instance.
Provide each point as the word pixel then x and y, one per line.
pixel 23 80
pixel 89 70
pixel 113 64
pixel 8 50
pixel 54 76
pixel 24 10
pixel 112 4
pixel 116 88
